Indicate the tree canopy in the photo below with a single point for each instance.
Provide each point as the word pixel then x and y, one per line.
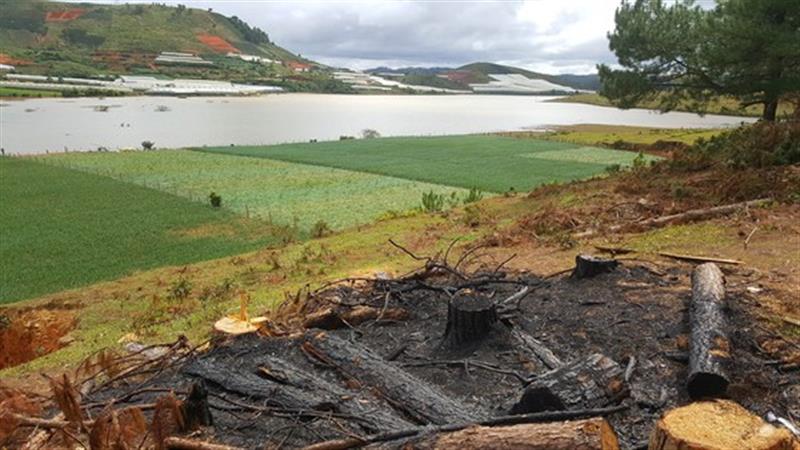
pixel 680 53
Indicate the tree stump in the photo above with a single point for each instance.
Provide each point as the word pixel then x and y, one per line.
pixel 709 347
pixel 587 266
pixel 589 434
pixel 590 382
pixel 195 408
pixel 470 318
pixel 716 424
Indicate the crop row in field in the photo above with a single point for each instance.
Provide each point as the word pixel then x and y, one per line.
pixel 487 162
pixel 283 193
pixel 63 229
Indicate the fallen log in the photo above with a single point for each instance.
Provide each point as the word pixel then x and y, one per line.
pixel 419 401
pixel 587 266
pixel 699 259
pixel 470 318
pixel 589 434
pixel 306 393
pixel 541 417
pixel 590 382
pixel 704 213
pixel 716 424
pixel 709 347
pixel 536 348
pixel 193 444
pixel 333 318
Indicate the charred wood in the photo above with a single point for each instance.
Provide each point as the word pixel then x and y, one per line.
pixel 590 382
pixel 587 266
pixel 470 318
pixel 709 346
pixel 418 400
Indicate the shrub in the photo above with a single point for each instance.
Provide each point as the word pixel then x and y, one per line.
pixel 180 290
pixel 369 133
pixel 320 229
pixel 432 202
pixel 473 216
pixel 215 199
pixel 473 196
pixel 148 145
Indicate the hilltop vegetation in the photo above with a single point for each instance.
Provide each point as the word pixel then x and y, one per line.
pixel 81 39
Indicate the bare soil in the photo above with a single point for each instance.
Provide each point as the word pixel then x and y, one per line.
pixel 26 334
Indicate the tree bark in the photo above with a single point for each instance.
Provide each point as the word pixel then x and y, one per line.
pixel 535 348
pixel 587 266
pixel 589 434
pixel 591 382
pixel 770 110
pixel 709 347
pixel 421 402
pixel 716 424
pixel 469 319
pixel 298 391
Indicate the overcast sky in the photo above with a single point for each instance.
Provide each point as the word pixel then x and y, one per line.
pixel 553 36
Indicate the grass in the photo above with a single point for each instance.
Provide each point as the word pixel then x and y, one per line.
pixel 591 134
pixel 281 192
pixel 64 229
pixel 487 162
pixel 722 105
pixel 18 92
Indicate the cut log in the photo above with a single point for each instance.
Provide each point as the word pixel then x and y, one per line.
pixel 528 344
pixel 591 382
pixel 419 401
pixel 315 395
pixel 470 318
pixel 590 434
pixel 333 318
pixel 196 413
pixel 709 347
pixel 716 424
pixel 587 266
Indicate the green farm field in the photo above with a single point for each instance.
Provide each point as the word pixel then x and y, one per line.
pixel 487 162
pixel 277 191
pixel 63 229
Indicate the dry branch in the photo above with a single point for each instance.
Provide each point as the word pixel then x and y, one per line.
pixel 700 259
pixel 704 213
pixel 192 444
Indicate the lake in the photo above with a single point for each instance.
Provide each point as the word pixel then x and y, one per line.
pixel 57 124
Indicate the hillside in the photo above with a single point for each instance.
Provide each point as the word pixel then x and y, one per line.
pixel 81 39
pixel 478 73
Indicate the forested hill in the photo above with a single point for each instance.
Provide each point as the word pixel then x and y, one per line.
pixel 82 38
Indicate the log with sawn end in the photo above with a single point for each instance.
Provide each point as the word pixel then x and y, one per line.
pixel 709 346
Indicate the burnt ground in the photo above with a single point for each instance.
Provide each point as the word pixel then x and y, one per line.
pixel 638 311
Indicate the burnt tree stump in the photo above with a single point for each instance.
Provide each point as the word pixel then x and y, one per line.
pixel 709 347
pixel 470 318
pixel 196 413
pixel 591 382
pixel 587 266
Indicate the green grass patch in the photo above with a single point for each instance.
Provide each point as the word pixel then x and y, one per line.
pixel 281 192
pixel 27 93
pixel 64 229
pixel 490 163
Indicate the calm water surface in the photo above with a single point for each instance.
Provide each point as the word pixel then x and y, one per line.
pixel 40 125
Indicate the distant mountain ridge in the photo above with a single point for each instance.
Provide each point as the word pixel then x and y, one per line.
pixel 461 77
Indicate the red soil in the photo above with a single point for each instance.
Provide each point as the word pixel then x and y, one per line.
pixel 28 334
pixel 216 43
pixel 5 59
pixel 64 16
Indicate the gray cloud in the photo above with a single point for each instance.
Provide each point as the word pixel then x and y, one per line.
pixel 547 35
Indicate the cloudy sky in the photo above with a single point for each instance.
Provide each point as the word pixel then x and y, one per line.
pixel 553 36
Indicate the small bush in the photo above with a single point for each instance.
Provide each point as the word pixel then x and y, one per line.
pixel 320 229
pixel 613 168
pixel 369 133
pixel 432 202
pixel 215 200
pixel 473 196
pixel 473 216
pixel 148 145
pixel 180 290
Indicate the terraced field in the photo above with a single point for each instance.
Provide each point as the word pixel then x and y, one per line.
pixel 487 162
pixel 63 229
pixel 281 192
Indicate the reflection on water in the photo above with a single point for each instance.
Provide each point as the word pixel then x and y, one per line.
pixel 39 125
